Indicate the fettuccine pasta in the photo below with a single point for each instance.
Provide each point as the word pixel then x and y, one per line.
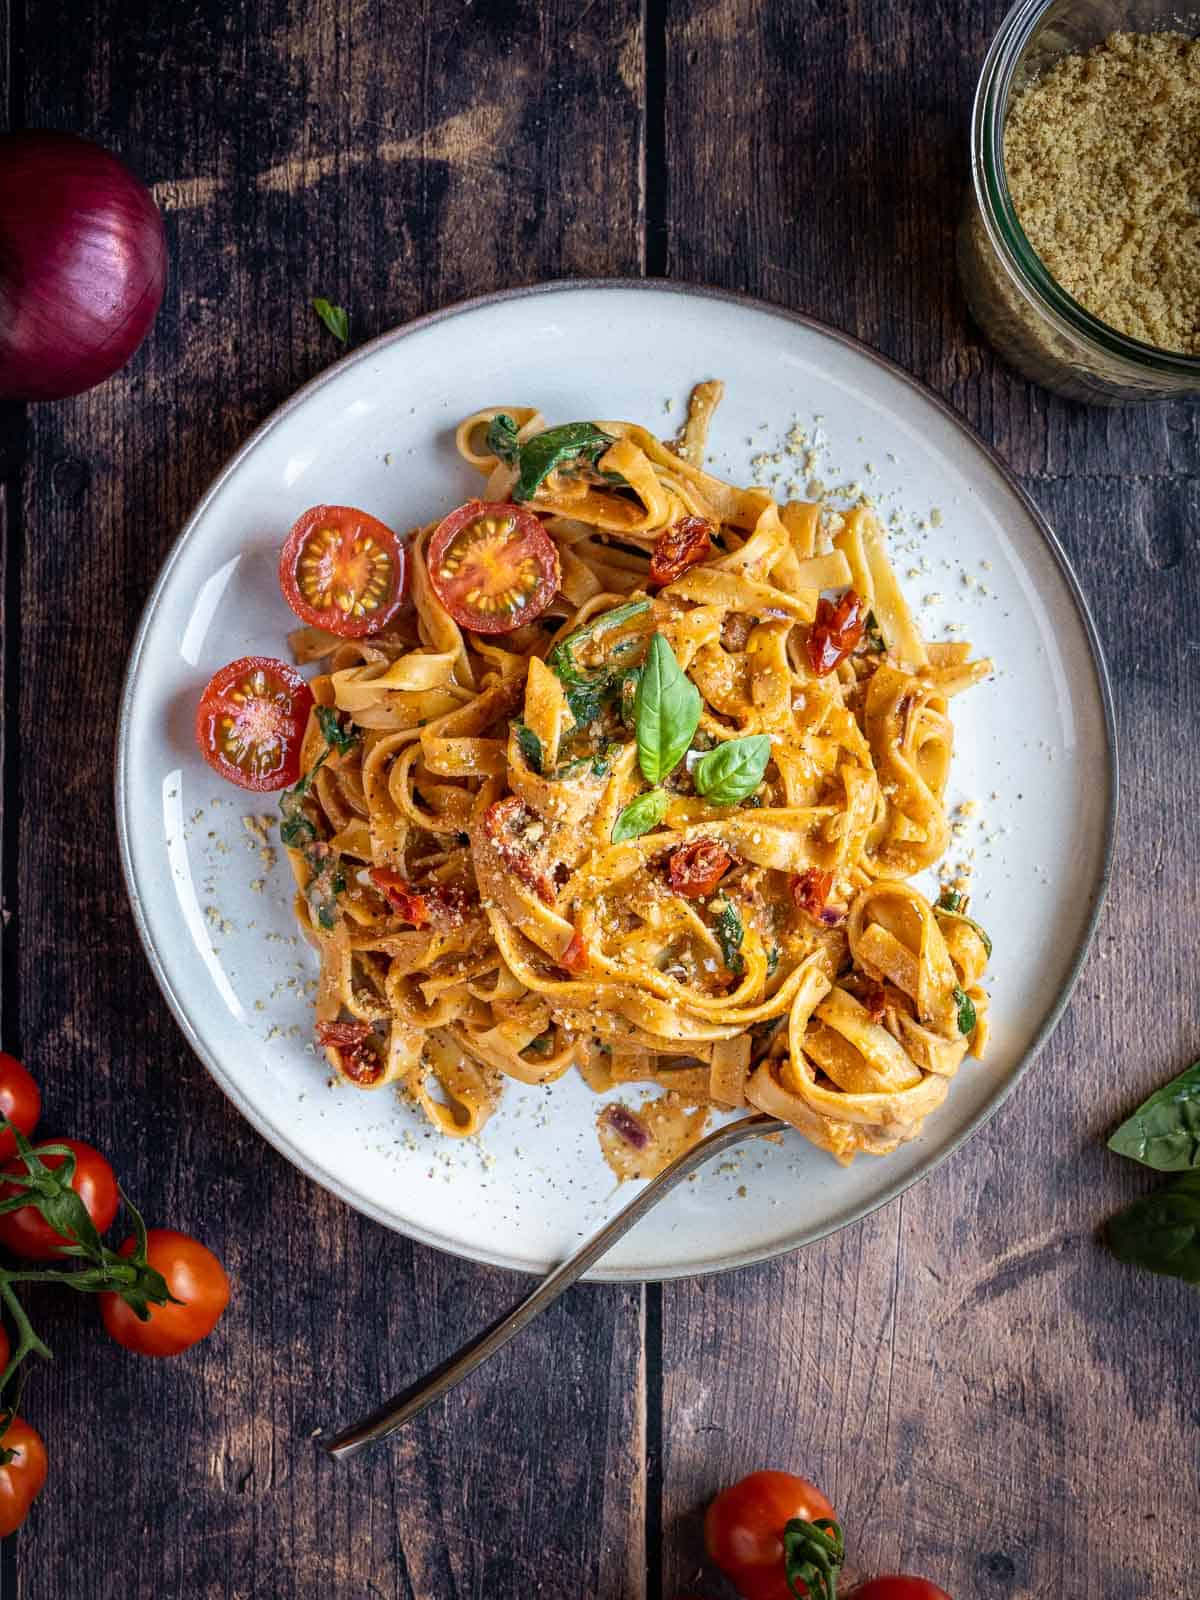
pixel 661 833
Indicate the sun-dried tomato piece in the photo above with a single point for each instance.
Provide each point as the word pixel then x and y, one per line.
pixel 359 1060
pixel 811 891
pixel 510 826
pixel 438 905
pixel 837 630
pixel 682 545
pixel 875 1000
pixel 694 870
pixel 575 957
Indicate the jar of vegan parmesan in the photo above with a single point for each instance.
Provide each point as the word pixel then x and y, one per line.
pixel 1079 250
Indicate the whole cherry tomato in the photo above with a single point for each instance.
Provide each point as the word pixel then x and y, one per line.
pixel 743 1530
pixel 26 1232
pixel 193 1275
pixel 898 1587
pixel 20 1102
pixel 21 1477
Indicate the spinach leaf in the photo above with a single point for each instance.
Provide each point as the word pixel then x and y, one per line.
pixel 729 930
pixel 966 1010
pixel 334 318
pixel 875 640
pixel 640 815
pixel 1164 1131
pixel 336 737
pixel 502 438
pixel 561 659
pixel 530 746
pixel 296 827
pixel 942 904
pixel 733 770
pixel 949 900
pixel 1161 1232
pixel 326 883
pixel 772 960
pixel 666 711
pixel 541 455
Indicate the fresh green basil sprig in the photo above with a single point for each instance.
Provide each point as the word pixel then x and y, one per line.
pixel 1164 1131
pixel 813 1553
pixel 334 318
pixel 733 771
pixel 640 815
pixel 49 1190
pixel 666 712
pixel 1161 1231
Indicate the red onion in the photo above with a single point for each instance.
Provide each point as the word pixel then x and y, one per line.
pixel 83 261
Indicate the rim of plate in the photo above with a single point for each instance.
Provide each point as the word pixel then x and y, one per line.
pixel 279 1140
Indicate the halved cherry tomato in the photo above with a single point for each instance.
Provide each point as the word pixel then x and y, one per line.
pixel 27 1233
pixel 575 957
pixel 682 545
pixel 493 566
pixel 251 721
pixel 743 1530
pixel 899 1588
pixel 20 1101
pixel 836 632
pixel 22 1478
pixel 694 870
pixel 341 569
pixel 193 1275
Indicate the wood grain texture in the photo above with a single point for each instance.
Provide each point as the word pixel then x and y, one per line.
pixel 392 161
pixel 962 1370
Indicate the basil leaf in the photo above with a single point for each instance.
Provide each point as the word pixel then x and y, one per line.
pixel 949 900
pixel 1164 1131
pixel 1161 1232
pixel 733 770
pixel 640 815
pixel 502 438
pixel 666 711
pixel 334 318
pixel 336 737
pixel 966 1010
pixel 541 455
pixel 728 927
pixel 530 746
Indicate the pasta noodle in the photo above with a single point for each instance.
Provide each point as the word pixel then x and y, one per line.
pixel 484 899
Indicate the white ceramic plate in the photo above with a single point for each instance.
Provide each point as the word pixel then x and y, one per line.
pixel 1035 749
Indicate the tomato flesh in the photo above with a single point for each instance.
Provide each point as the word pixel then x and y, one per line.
pixel 743 1530
pixel 343 570
pixel 682 545
pixel 836 633
pixel 251 721
pixel 27 1233
pixel 810 890
pixel 20 1101
pixel 22 1478
pixel 493 566
pixel 695 869
pixel 193 1275
pixel 574 958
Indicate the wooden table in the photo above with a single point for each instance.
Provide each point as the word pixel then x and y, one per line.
pixel 987 1396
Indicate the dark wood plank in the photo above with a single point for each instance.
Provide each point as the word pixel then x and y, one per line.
pixel 833 183
pixel 961 1370
pixel 393 161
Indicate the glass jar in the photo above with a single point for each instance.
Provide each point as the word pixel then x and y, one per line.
pixel 1030 319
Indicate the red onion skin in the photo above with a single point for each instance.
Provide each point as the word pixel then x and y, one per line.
pixel 83 264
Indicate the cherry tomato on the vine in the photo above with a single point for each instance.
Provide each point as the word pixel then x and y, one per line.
pixel 27 1233
pixel 743 1529
pixel 343 570
pixel 251 720
pixel 20 1101
pixel 493 566
pixel 21 1479
pixel 898 1587
pixel 193 1275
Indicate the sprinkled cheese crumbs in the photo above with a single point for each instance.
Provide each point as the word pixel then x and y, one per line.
pixel 257 885
pixel 935 599
pixel 935 517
